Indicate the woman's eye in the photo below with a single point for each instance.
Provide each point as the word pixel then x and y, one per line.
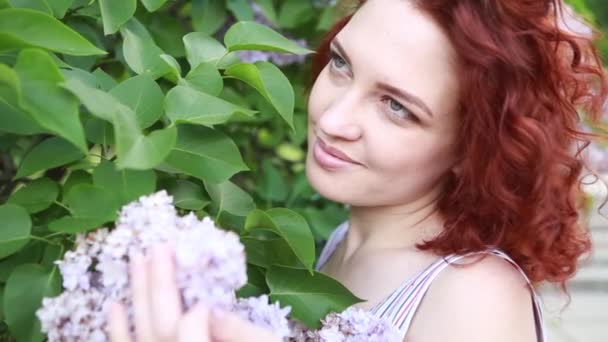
pixel 400 111
pixel 337 61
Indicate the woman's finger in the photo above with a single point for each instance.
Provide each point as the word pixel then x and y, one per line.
pixel 141 302
pixel 165 298
pixel 118 323
pixel 194 325
pixel 228 327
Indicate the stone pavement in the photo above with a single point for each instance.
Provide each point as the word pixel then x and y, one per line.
pixel 586 318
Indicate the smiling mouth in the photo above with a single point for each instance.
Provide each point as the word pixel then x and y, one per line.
pixel 328 160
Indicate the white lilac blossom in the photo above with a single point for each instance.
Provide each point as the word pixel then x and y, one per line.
pixel 352 325
pixel 209 262
pixel 259 311
pixel 357 325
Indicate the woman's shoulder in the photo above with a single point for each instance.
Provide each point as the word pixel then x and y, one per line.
pixel 477 298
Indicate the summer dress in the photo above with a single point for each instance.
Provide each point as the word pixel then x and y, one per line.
pixel 401 305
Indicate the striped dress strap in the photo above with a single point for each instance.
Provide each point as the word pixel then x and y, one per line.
pixel 401 306
pixel 332 243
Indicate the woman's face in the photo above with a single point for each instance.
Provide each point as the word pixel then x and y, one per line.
pixel 387 99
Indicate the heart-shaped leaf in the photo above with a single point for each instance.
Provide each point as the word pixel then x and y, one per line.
pixel 288 225
pixel 153 5
pixel 36 195
pixel 230 198
pixel 16 228
pixel 184 104
pixel 115 13
pixel 270 82
pixel 205 153
pixel 141 52
pixel 204 78
pixel 143 95
pixel 249 35
pixel 27 285
pixel 311 297
pixel 202 48
pixel 48 154
pixel 124 185
pixel 24 27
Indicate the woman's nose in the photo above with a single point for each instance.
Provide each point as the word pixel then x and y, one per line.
pixel 339 120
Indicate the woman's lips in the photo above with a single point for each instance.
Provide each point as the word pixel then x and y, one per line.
pixel 327 160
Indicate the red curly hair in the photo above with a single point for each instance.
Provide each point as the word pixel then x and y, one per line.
pixel 523 78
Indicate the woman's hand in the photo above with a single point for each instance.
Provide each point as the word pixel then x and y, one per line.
pixel 158 312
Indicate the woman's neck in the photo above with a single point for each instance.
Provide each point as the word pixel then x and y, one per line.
pixel 375 228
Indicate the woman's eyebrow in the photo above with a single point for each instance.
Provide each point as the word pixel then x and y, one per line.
pixel 384 86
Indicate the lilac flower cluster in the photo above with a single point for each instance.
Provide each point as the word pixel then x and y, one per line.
pixel 210 267
pixel 352 325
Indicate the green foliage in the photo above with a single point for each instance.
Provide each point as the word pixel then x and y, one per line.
pixel 104 101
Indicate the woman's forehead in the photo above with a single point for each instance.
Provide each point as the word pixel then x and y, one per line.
pixel 393 42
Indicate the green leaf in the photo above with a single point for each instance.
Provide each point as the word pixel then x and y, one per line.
pixel 202 48
pixel 27 285
pixel 16 229
pixel 141 52
pixel 167 31
pixel 115 13
pixel 241 9
pixel 256 283
pixel 143 96
pixel 248 35
pixel 187 195
pixel 90 206
pixel 99 103
pixel 49 105
pixel 324 221
pixel 38 5
pixel 269 251
pixel 206 154
pixel 124 185
pixel 60 7
pixel 267 8
pixel 175 73
pixel 184 104
pixel 153 5
pixel 270 82
pixel 24 27
pixel 31 253
pixel 311 297
pixel 74 178
pixel 36 195
pixel 13 118
pixel 290 226
pixel 135 150
pixel 105 81
pixel 230 198
pixel 144 152
pixel 89 201
pixel 48 154
pixel 208 15
pixel 272 186
pixel 205 78
pixel 295 12
pixel 56 110
pixel 37 65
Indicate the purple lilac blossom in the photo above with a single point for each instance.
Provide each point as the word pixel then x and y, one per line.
pixel 210 267
pixel 357 325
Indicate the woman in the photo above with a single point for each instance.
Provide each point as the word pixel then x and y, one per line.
pixel 450 129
